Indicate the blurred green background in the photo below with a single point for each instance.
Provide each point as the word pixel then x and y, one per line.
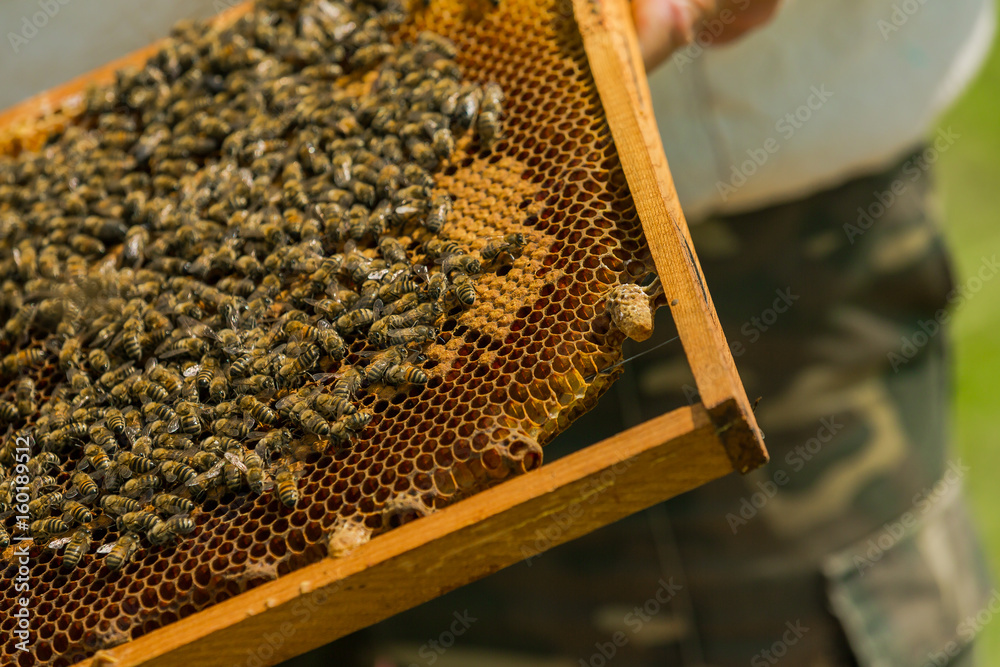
pixel 969 176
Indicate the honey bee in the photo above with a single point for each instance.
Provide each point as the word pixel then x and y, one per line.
pixel 139 521
pixel 78 546
pixel 464 289
pixel 257 384
pixel 4 538
pixel 116 422
pixel 8 412
pixel 203 483
pixel 275 441
pixel 76 513
pixel 44 505
pixel 166 384
pixel 443 143
pixel 511 244
pixel 84 485
pixel 40 463
pixel 99 361
pixel 103 437
pixel 234 428
pixel 467 109
pixel 257 410
pixel 177 472
pixel 314 422
pixel 39 484
pixel 17 326
pixel 357 421
pixel 138 485
pixel 348 383
pixel 25 396
pixel 97 457
pixel 354 320
pixel 488 122
pixel 69 354
pixel 190 346
pixel 404 373
pixel 46 527
pixel 463 263
pixel 112 378
pixel 413 335
pixel 440 209
pixel 17 362
pixel 160 411
pixel 120 505
pixel 241 366
pixel 218 388
pixel 234 473
pixel 137 464
pixel 132 338
pixel 376 369
pixel 122 552
pixel 203 461
pixel 287 487
pixel 171 504
pixel 170 530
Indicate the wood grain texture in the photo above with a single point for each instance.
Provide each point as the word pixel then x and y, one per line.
pixel 563 500
pixel 612 49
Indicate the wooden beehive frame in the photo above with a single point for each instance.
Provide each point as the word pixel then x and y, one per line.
pixel 603 483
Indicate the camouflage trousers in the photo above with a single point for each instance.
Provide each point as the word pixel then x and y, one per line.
pixel 852 547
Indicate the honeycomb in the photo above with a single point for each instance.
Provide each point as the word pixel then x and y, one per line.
pixel 506 375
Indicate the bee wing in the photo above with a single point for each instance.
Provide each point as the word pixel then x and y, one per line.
pixel 211 473
pixel 58 543
pixel 105 548
pixel 164 347
pixel 262 451
pixel 291 399
pixel 174 425
pixel 235 460
pixel 195 328
pixel 52 345
pixel 191 370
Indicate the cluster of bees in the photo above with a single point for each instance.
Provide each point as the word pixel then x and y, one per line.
pixel 228 248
